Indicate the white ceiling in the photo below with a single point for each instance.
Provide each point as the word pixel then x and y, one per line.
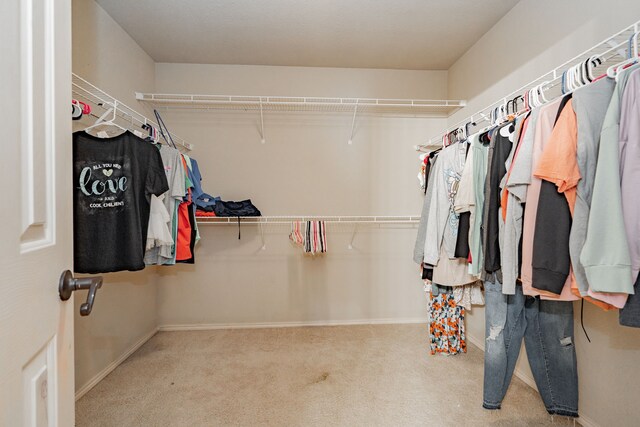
pixel 400 34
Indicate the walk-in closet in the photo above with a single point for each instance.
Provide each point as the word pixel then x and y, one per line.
pixel 320 213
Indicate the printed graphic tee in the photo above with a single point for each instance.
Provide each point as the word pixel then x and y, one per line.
pixel 113 180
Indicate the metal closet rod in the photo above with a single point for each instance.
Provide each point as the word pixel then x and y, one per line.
pixel 379 219
pixel 616 44
pixel 89 92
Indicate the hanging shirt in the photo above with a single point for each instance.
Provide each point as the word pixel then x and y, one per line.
pixel 465 198
pixel 497 170
pixel 558 168
pixel 590 104
pixel 630 167
pixel 605 255
pixel 515 192
pixel 185 226
pixel 442 225
pixel 480 148
pixel 519 123
pixel 418 251
pixel 113 180
pixel 158 234
pixel 172 164
pixel 466 188
pixel 452 272
pixel 195 189
pixel 630 177
pixel 542 132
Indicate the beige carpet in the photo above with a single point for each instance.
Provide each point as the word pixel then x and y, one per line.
pixel 320 376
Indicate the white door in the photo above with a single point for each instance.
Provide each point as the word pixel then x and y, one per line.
pixel 36 328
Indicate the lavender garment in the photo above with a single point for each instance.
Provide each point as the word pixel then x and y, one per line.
pixel 630 166
pixel 629 179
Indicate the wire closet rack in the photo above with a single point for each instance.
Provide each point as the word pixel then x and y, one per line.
pixel 612 50
pixel 355 221
pixel 394 107
pixel 407 108
pixel 127 117
pixel 263 220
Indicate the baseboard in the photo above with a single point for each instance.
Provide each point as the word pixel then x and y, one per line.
pixel 586 422
pixel 260 325
pixel 113 365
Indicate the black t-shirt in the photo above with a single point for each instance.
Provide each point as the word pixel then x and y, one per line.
pixel 498 170
pixel 113 180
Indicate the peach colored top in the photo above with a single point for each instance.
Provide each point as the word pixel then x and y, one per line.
pixel 543 130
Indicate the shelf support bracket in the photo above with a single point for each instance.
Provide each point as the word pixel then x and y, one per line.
pixel 262 138
pixel 621 52
pixel 353 236
pixel 264 245
pixel 353 123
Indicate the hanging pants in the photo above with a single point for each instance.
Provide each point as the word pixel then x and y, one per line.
pixel 446 325
pixel 547 329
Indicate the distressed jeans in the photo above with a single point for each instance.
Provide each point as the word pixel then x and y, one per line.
pixel 547 329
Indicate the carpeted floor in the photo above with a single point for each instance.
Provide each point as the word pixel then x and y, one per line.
pixel 319 376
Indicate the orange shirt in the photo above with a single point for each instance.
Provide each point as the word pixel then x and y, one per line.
pixel 559 165
pixel 559 161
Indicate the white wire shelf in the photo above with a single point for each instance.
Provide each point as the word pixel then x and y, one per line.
pixel 127 117
pixel 263 220
pixel 393 107
pixel 612 50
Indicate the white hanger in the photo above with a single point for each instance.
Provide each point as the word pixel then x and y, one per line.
pixel 615 69
pixel 571 79
pixel 533 98
pixel 593 63
pixel 541 90
pixel 580 75
pixel 111 122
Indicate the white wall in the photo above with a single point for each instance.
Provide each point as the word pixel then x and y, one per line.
pixel 534 37
pixel 306 167
pixel 125 307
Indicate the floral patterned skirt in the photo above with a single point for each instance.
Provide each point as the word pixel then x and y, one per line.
pixel 446 325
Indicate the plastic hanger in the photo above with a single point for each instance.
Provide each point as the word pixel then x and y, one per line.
pixel 615 69
pixel 579 78
pixel 111 122
pixel 515 103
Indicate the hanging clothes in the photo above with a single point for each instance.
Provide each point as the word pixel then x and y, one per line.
pixel 297 233
pixel 514 196
pixel 442 224
pixel 446 323
pixel 629 178
pixel 590 104
pixel 499 151
pixel 544 127
pixel 553 217
pixel 418 250
pixel 186 232
pixel 158 233
pixel 172 164
pixel 315 237
pixel 558 170
pixel 114 179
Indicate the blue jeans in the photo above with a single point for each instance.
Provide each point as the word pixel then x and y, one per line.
pixel 547 329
